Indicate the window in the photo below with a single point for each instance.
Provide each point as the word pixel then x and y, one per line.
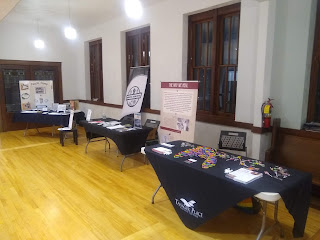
pixel 314 92
pixel 96 77
pixel 138 54
pixel 213 60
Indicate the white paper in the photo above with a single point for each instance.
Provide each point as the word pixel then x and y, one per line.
pixel 115 127
pixel 88 118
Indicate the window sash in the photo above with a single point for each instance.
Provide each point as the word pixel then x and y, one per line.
pixel 96 74
pixel 205 62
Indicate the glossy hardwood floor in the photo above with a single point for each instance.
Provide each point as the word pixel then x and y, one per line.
pixel 53 192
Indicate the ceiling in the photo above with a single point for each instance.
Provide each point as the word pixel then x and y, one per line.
pixel 84 13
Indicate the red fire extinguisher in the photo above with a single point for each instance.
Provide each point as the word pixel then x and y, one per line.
pixel 266 109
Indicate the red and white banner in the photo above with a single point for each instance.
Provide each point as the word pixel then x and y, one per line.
pixel 178 111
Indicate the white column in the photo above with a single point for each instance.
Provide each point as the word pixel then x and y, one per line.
pixel 265 40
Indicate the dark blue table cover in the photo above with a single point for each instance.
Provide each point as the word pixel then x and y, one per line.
pixel 57 120
pixel 214 193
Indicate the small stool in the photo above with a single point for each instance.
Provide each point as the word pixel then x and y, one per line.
pixel 64 132
pixel 273 198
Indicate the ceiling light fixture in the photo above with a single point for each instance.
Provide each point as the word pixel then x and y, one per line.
pixel 69 31
pixel 133 9
pixel 38 43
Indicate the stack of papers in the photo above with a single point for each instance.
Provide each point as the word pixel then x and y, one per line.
pixel 112 123
pixel 244 175
pixel 162 150
pixel 115 127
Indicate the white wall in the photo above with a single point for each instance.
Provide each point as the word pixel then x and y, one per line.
pixel 294 33
pixel 16 43
pixel 169 59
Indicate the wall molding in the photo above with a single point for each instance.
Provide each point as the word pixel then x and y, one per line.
pixel 215 119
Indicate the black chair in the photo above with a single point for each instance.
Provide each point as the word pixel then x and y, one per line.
pixel 231 140
pixel 128 119
pixel 153 134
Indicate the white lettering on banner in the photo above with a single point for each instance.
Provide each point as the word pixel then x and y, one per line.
pixel 188 207
pixel 178 85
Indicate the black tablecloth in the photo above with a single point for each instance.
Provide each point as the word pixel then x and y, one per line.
pixel 213 192
pixel 128 142
pixel 57 120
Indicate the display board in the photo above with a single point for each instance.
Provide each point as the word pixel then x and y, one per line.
pixel 135 90
pixel 36 94
pixel 178 111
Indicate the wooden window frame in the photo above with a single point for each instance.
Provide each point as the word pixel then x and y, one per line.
pixel 100 71
pixel 142 34
pixel 139 33
pixel 217 15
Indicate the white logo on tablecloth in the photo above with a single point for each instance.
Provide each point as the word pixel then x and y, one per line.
pixel 188 207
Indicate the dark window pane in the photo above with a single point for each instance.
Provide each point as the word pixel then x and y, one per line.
pixel 135 53
pixel 11 79
pixel 197 45
pixel 234 39
pixel 208 90
pixel 225 50
pixel 221 88
pixel 200 91
pixel 195 74
pixel 210 43
pixel 317 100
pixel 204 40
pixel 230 86
pixel 148 49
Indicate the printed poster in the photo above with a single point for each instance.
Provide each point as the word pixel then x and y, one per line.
pixel 134 95
pixel 178 111
pixel 36 94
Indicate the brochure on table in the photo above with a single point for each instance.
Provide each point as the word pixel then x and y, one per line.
pixel 36 94
pixel 178 111
pixel 244 175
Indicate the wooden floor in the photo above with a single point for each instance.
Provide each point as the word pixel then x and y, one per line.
pixel 53 192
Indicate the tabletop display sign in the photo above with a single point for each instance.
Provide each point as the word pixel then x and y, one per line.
pixel 178 111
pixel 135 90
pixel 137 120
pixel 36 94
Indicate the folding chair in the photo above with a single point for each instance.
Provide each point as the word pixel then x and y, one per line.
pixel 63 131
pixel 231 140
pixel 153 134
